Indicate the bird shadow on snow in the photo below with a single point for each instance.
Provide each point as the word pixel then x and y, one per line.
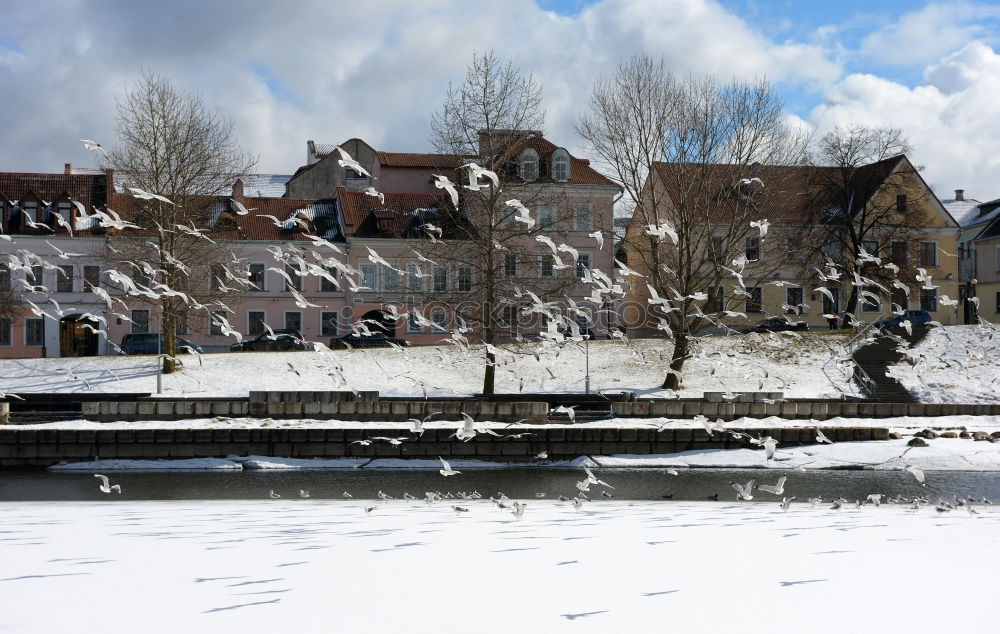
pixel 785 584
pixel 63 574
pixel 579 615
pixel 656 594
pixel 240 605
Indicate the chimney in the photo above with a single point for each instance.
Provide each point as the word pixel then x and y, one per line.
pixel 311 153
pixel 238 190
pixel 959 194
pixel 68 168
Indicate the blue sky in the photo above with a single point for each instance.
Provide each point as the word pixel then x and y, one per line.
pixel 329 71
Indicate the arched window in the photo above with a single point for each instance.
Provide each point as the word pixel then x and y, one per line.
pixel 560 166
pixel 529 164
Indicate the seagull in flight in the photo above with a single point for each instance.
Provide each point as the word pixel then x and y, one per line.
pixel 762 225
pixel 446 469
pixel 241 210
pixel 347 161
pixel 144 195
pixel 443 182
pixel 599 236
pixel 744 493
pixel 371 191
pixel 106 486
pixel 777 489
pixel 94 145
pixel 917 472
pixel 476 172
pixel 523 214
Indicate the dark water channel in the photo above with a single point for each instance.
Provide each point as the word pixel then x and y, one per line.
pixel 630 484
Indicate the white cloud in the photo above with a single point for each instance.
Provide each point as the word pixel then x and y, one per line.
pixel 952 120
pixel 925 35
pixel 373 70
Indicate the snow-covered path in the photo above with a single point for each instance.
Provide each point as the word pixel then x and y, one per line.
pixel 311 566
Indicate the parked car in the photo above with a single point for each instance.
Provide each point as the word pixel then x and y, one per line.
pixel 774 324
pixel 149 343
pixel 282 339
pixel 915 317
pixel 374 340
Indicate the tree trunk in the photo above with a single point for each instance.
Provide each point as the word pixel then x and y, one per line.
pixel 490 374
pixel 849 311
pixel 168 335
pixel 680 355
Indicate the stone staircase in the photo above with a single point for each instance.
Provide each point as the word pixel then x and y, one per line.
pixel 876 357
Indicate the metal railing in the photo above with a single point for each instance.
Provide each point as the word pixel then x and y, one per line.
pixel 867 384
pixel 861 336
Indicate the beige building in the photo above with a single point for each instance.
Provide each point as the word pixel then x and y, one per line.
pixel 898 230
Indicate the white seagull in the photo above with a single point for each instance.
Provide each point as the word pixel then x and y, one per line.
pixel 106 487
pixel 443 182
pixel 94 145
pixel 347 161
pixel 446 470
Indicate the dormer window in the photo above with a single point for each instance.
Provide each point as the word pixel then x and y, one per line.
pixel 529 164
pixel 66 211
pixel 560 166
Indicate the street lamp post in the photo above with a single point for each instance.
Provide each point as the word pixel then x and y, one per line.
pixel 586 380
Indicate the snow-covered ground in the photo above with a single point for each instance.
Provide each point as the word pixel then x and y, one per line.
pixel 774 362
pixel 311 565
pixel 954 364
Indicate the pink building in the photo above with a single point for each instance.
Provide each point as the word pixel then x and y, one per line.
pixel 312 270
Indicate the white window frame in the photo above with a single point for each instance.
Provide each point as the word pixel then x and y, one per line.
pixel 263 277
pixel 578 216
pixel 578 269
pixel 62 277
pixel 414 283
pixel 412 327
pixel 528 164
pixel 753 244
pixel 295 273
pixel 509 257
pixel 541 265
pixel 132 326
pixel 215 327
pixel 438 328
pixel 369 277
pixel 387 275
pixel 788 299
pixel 546 216
pixel 443 287
pixel 464 269
pixel 560 159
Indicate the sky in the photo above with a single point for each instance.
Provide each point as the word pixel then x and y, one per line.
pixel 328 70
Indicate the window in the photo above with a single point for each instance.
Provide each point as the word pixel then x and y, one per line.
pixel 390 280
pixel 414 283
pixel 354 175
pixel 440 320
pixel 66 212
pixel 718 247
pixel 465 279
pixel 37 275
pixel 560 165
pixel 998 302
pixel 510 265
pixel 218 277
pixel 293 320
pixel 327 285
pixel 255 274
pixel 833 250
pixel 5 277
pixel 369 276
pixel 34 332
pixel 831 306
pixel 928 299
pixel 870 303
pixel 30 209
pixel 529 164
pixel 900 298
pixel 64 280
pixel 181 324
pixel 508 316
pixel 140 278
pixel 583 218
pixel 755 303
pixel 901 203
pixel 871 247
pixel 584 321
pixel 91 277
pixel 583 262
pixel 546 216
pixel 900 254
pixel 328 324
pixel 215 323
pixel 795 250
pixel 296 276
pixel 413 324
pixel 440 279
pixel 140 321
pixel 255 322
pixel 716 299
pixel 752 250
pixel 793 297
pixel 5 338
pixel 928 253
pixel 547 266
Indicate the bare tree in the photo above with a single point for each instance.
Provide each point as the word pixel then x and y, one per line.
pixel 867 206
pixel 687 152
pixel 494 114
pixel 172 145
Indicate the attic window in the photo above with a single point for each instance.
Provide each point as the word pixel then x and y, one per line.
pixel 528 164
pixel 560 165
pixel 901 203
pixel 383 219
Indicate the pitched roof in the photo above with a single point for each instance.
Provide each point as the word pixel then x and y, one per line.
pixel 360 210
pixel 265 185
pixel 89 189
pixel 425 160
pixel 581 173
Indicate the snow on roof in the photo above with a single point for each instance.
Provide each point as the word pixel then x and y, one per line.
pixel 265 185
pixel 964 212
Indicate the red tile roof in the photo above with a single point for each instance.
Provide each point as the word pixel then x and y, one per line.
pixel 359 210
pixel 411 159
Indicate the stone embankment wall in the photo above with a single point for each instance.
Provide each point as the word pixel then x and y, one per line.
pixel 43 447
